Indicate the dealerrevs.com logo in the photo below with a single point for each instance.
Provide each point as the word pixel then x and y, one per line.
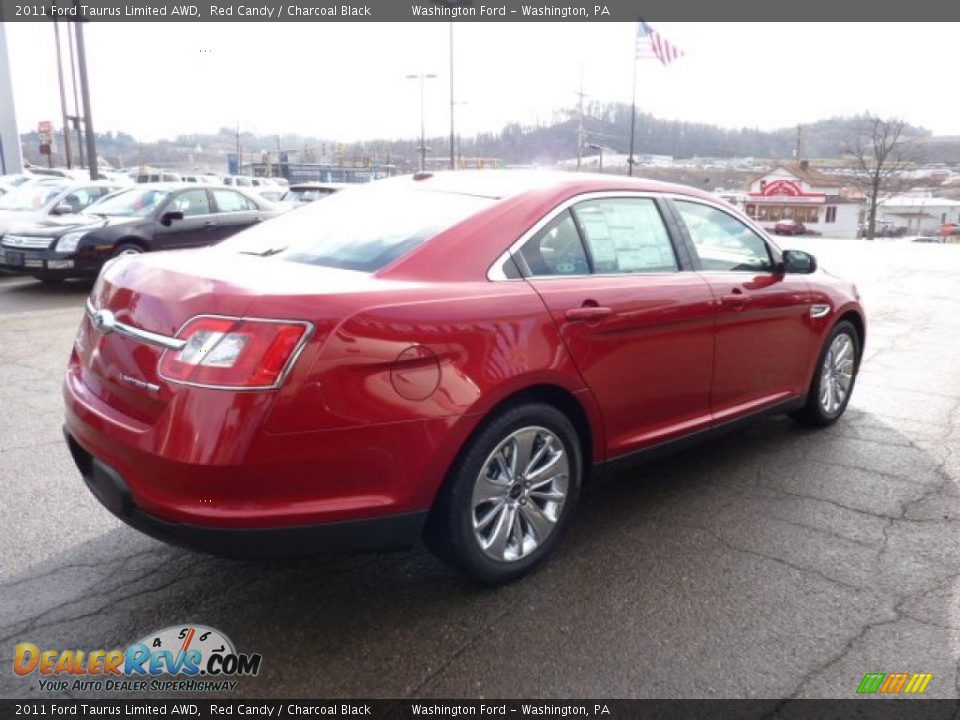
pixel 188 658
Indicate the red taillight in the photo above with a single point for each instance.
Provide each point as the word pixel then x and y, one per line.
pixel 233 352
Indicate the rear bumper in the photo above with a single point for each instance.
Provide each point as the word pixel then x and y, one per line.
pixel 388 532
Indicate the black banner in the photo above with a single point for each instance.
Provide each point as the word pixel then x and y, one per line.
pixel 854 709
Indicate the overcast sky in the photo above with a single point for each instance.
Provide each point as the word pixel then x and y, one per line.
pixel 345 81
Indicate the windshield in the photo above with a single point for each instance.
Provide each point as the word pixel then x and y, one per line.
pixel 131 203
pixel 357 230
pixel 30 197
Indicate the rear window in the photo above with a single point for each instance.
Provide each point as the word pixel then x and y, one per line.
pixel 361 230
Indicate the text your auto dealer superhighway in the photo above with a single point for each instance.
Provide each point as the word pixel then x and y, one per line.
pixel 271 12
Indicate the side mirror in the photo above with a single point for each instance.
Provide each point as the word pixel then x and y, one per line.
pixel 168 217
pixel 798 262
pixel 62 209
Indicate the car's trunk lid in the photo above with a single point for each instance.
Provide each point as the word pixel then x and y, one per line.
pixel 160 293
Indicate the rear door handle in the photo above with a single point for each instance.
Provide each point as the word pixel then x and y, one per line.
pixel 209 223
pixel 588 313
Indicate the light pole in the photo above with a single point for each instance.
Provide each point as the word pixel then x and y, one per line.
pixel 75 119
pixel 422 77
pixel 63 95
pixel 453 162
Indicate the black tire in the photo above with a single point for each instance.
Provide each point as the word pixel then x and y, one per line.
pixel 450 533
pixel 813 412
pixel 126 249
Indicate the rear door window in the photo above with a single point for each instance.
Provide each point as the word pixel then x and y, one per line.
pixel 229 201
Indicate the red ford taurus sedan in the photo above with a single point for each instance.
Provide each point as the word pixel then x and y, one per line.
pixel 444 356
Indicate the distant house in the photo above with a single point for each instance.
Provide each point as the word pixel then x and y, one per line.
pixel 795 192
pixel 919 213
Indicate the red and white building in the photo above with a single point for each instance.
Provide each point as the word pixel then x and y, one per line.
pixel 795 192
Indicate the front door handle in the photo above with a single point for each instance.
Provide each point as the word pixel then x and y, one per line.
pixel 589 313
pixel 209 224
pixel 734 300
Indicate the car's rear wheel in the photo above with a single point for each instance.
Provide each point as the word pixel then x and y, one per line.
pixel 834 377
pixel 510 496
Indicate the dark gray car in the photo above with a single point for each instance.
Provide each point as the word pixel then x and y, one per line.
pixel 139 219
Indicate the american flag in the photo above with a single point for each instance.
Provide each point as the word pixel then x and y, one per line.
pixel 651 44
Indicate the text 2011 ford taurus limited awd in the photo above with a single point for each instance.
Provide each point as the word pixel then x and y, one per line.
pixel 443 356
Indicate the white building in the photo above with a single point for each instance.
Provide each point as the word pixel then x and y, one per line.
pixel 919 213
pixel 795 192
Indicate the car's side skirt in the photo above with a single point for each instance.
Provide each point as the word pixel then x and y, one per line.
pixel 628 461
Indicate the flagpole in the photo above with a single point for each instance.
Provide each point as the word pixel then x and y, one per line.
pixel 633 113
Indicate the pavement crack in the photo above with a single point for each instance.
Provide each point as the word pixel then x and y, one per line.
pixel 756 553
pixel 36 623
pixel 464 647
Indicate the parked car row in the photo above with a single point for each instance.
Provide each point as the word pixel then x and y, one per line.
pixel 53 229
pixel 243 181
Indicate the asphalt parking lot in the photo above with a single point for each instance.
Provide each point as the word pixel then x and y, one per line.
pixel 776 562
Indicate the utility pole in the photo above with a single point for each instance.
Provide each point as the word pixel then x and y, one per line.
pixel 279 166
pixel 63 96
pixel 85 93
pixel 580 122
pixel 633 119
pixel 239 164
pixel 453 161
pixel 799 149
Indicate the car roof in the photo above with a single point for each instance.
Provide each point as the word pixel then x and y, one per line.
pixel 501 184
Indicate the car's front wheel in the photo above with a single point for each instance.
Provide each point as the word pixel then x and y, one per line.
pixel 124 249
pixel 510 496
pixel 834 377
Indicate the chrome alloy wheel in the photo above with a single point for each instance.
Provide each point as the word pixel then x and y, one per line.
pixel 130 250
pixel 836 374
pixel 519 494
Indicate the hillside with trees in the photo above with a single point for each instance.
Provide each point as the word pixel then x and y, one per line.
pixel 607 124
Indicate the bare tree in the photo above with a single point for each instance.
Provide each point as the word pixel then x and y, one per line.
pixel 880 153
